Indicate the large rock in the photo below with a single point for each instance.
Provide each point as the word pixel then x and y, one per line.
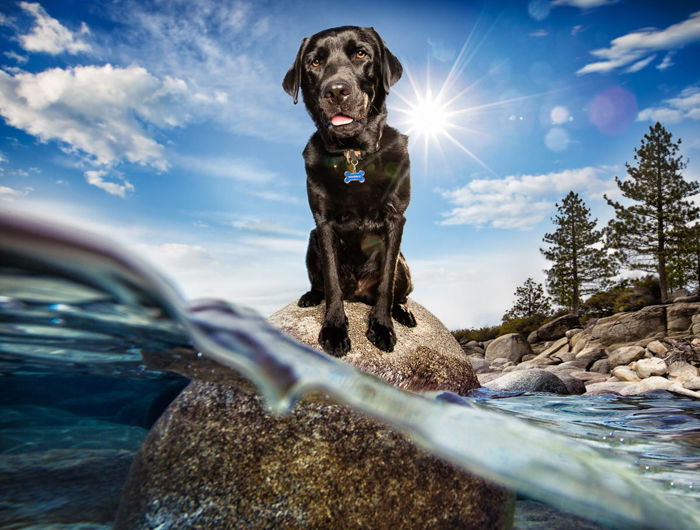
pixel 624 328
pixel 511 346
pixel 555 329
pixel 625 355
pixel 680 319
pixel 534 380
pixel 217 459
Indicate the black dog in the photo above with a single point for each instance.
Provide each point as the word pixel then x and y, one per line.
pixel 357 181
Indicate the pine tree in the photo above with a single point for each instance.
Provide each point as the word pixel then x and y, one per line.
pixel 683 266
pixel 647 233
pixel 580 262
pixel 530 300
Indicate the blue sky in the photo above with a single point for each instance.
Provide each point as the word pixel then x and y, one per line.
pixel 163 125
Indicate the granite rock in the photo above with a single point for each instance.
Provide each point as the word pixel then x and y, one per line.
pixel 534 380
pixel 218 459
pixel 512 346
pixel 555 329
pixel 649 367
pixel 625 355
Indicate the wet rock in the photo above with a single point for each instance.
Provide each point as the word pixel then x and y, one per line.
pixel 529 381
pixel 625 373
pixel 555 329
pixel 574 385
pixel 646 385
pixel 649 367
pixel 218 459
pixel 625 355
pixel 512 346
pixel 533 515
pixel 606 388
pixel 50 488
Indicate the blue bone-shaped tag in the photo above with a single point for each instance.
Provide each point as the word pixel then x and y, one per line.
pixel 358 176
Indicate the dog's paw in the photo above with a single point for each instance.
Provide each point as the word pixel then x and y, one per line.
pixel 383 337
pixel 334 340
pixel 404 316
pixel 310 299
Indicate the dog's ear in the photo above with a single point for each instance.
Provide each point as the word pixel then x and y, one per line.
pixel 292 80
pixel 391 68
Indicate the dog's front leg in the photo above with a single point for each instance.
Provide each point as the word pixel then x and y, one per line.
pixel 334 331
pixel 380 330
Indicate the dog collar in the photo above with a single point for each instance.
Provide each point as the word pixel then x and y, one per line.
pixel 352 157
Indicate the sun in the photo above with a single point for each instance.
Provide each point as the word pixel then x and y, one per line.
pixel 428 115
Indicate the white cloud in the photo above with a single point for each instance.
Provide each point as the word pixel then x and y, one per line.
pixel 517 202
pixel 583 4
pixel 639 45
pixel 265 226
pixel 475 289
pixel 276 244
pixel 275 196
pixel 10 194
pixel 96 178
pixel 15 57
pixel 218 48
pixel 49 35
pixel 539 33
pixel 97 111
pixel 240 169
pixel 673 110
pixel 639 65
pixel 667 62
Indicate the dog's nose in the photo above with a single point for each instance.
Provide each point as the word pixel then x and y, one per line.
pixel 337 91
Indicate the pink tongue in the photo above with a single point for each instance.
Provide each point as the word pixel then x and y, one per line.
pixel 339 119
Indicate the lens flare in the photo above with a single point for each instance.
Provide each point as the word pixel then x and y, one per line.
pixel 443 117
pixel 428 115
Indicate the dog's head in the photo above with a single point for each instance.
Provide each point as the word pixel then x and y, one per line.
pixel 344 75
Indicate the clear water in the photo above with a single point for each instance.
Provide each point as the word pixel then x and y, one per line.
pixel 85 331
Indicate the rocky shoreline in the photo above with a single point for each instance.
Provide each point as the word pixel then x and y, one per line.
pixel 655 348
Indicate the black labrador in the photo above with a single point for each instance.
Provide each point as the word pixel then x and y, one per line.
pixel 358 184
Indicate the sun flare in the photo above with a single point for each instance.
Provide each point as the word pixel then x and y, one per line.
pixel 428 115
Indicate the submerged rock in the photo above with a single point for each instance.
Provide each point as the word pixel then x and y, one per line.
pixel 534 380
pixel 218 459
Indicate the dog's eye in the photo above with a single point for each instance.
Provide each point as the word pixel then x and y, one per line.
pixel 316 62
pixel 360 54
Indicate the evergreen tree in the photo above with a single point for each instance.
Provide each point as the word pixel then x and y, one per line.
pixel 649 232
pixel 683 265
pixel 530 300
pixel 580 262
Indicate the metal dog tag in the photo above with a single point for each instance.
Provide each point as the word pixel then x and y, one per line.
pixel 352 176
